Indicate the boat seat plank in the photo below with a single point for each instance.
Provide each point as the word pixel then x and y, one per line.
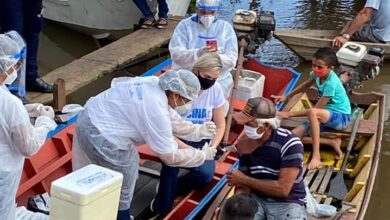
pixel 320 175
pixel 309 177
pixel 325 181
pixel 366 127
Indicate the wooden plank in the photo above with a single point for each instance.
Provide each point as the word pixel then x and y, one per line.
pixel 59 96
pixel 106 60
pixel 366 127
pixel 318 198
pixel 328 200
pixel 217 202
pixel 360 181
pixel 367 114
pixel 321 173
pixel 325 181
pixel 309 176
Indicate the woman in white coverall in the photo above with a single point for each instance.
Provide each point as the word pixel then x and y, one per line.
pixel 135 111
pixel 204 32
pixel 18 137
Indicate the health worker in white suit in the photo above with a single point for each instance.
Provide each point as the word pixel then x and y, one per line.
pixel 135 111
pixel 201 33
pixel 18 137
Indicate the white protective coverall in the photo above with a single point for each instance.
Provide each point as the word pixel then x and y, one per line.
pixel 189 37
pixel 18 139
pixel 113 123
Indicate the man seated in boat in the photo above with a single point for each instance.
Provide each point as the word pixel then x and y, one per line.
pixel 207 108
pixel 202 33
pixel 333 109
pixel 372 24
pixel 271 161
pixel 238 207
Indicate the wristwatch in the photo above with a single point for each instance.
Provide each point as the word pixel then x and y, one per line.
pixel 346 36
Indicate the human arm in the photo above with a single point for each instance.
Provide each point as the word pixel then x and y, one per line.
pixel 302 87
pixel 274 188
pixel 25 137
pixel 351 27
pixel 219 119
pixel 178 46
pixel 186 130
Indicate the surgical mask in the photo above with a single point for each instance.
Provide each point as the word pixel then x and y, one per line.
pixel 205 83
pixel 207 20
pixel 183 110
pixel 11 77
pixel 251 132
pixel 321 72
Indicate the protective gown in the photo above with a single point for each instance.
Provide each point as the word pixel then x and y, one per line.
pixel 132 112
pixel 189 37
pixel 18 139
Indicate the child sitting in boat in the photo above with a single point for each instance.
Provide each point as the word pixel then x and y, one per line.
pixel 333 109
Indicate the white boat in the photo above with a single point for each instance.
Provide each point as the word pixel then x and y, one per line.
pixel 101 17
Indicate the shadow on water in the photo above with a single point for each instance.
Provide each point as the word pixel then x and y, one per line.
pixel 60 46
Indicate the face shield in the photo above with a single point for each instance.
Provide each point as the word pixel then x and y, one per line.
pixel 18 63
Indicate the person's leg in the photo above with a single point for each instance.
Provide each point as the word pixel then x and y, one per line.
pixel 300 130
pixel 33 23
pixel 316 116
pixel 197 178
pixel 11 16
pixel 333 142
pixel 285 211
pixel 142 5
pixel 167 190
pixel 260 214
pixel 365 34
pixel 163 9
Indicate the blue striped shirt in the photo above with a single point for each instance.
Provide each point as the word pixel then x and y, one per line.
pixel 282 150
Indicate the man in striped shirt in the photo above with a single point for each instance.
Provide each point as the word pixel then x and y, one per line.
pixel 271 161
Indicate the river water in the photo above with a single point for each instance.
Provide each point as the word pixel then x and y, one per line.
pixel 60 46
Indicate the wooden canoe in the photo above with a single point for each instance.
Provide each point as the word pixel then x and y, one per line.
pixel 53 160
pixel 361 168
pixel 305 42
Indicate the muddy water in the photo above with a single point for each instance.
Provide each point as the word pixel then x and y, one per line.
pixel 60 46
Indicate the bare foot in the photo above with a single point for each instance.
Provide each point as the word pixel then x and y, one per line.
pixel 315 163
pixel 336 143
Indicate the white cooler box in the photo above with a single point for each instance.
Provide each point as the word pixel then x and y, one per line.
pixel 90 193
pixel 250 84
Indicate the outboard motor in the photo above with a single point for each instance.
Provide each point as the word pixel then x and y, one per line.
pixel 358 63
pixel 255 27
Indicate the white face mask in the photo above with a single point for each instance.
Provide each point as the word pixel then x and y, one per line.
pixel 251 132
pixel 11 77
pixel 183 110
pixel 207 20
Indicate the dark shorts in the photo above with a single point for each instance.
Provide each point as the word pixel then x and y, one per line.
pixel 337 121
pixel 365 34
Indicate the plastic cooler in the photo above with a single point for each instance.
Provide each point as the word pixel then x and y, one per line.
pixel 250 84
pixel 91 192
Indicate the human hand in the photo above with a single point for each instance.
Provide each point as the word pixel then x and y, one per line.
pixel 36 109
pixel 207 129
pixel 235 177
pixel 278 98
pixel 338 41
pixel 209 151
pixel 283 115
pixel 207 49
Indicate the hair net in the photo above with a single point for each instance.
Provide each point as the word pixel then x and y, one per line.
pixel 182 82
pixel 210 5
pixel 12 49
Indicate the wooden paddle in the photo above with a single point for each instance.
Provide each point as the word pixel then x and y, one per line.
pixel 337 187
pixel 242 45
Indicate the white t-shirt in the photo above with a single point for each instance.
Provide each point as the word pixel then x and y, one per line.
pixel 133 111
pixel 208 100
pixel 380 20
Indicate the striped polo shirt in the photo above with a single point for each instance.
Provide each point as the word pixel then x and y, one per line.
pixel 282 150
